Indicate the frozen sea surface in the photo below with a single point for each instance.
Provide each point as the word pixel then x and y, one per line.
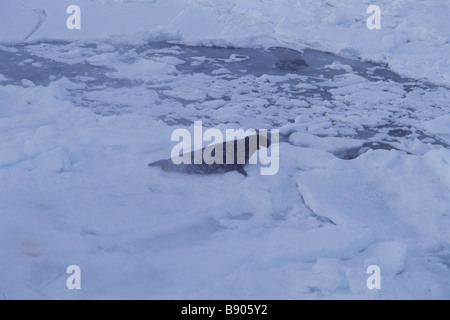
pixel 364 174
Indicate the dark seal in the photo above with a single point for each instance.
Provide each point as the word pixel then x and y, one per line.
pixel 239 151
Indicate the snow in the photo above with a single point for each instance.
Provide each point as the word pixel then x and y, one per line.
pixel 439 126
pixel 364 173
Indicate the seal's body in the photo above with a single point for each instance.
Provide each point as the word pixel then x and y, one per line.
pixel 235 154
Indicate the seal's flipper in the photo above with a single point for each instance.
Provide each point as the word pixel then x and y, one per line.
pixel 159 163
pixel 166 165
pixel 241 171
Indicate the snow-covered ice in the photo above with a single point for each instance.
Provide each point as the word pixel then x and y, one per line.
pixel 413 39
pixel 364 173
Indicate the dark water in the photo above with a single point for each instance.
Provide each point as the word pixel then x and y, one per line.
pixel 254 61
pixel 249 64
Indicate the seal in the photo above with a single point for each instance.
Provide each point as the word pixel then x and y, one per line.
pixel 230 150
